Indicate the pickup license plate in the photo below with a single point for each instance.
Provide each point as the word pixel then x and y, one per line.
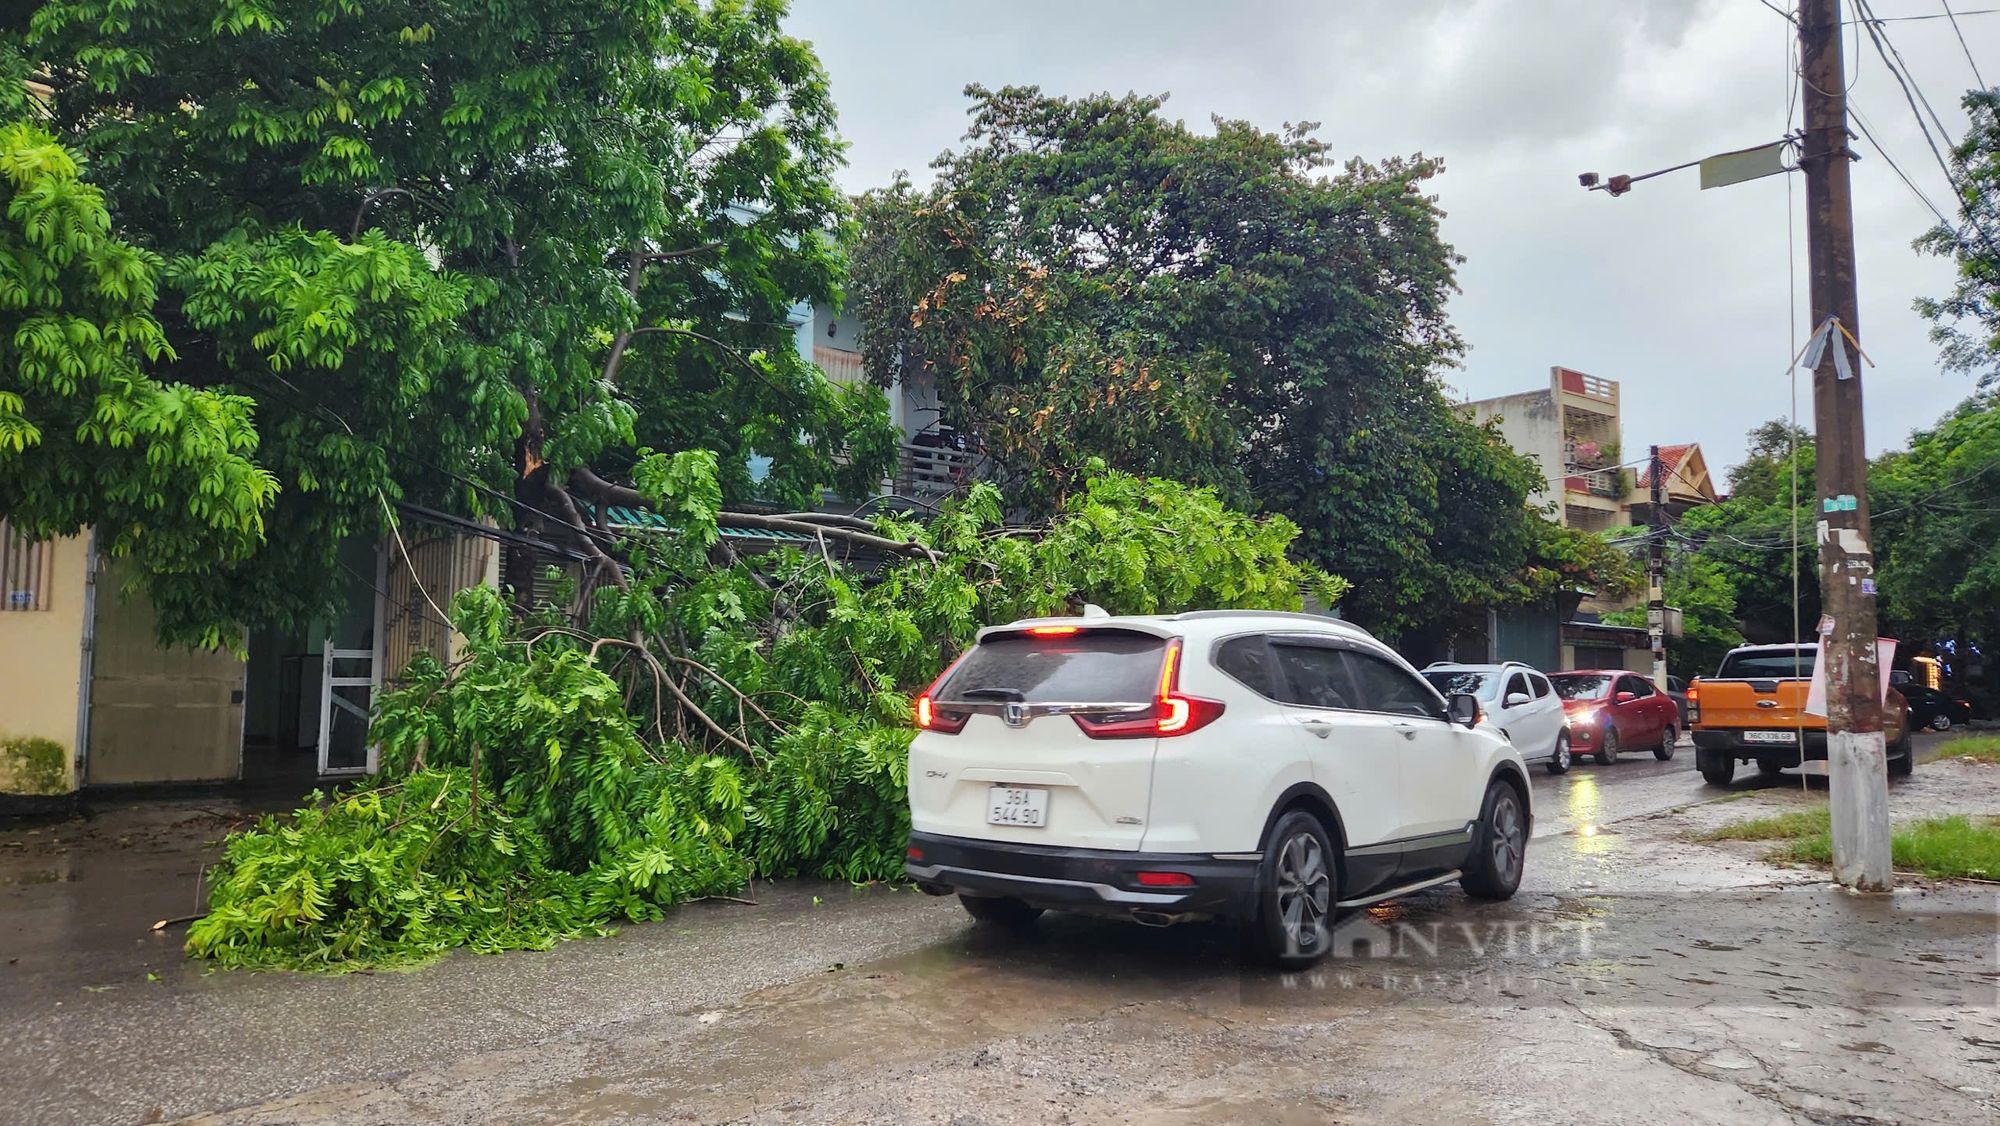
pixel 1770 737
pixel 1017 805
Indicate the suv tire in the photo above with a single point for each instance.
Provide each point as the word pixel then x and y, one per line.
pixel 1000 911
pixel 1607 745
pixel 1500 847
pixel 1298 886
pixel 1560 760
pixel 1717 767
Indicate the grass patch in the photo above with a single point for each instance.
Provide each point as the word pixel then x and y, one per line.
pixel 1946 848
pixel 1983 748
pixel 1779 827
pixel 1942 848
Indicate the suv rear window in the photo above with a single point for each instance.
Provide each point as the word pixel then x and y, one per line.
pixel 1093 666
pixel 1769 665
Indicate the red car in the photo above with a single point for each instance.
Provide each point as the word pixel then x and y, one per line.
pixel 1610 710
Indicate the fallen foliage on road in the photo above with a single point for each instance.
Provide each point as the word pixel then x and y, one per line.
pixel 708 720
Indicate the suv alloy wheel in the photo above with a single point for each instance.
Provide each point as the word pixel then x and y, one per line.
pixel 1296 893
pixel 1502 848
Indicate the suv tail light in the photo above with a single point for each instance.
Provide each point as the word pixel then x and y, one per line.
pixel 929 717
pixel 1694 703
pixel 1171 714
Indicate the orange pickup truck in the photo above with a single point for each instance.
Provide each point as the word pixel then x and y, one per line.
pixel 1753 710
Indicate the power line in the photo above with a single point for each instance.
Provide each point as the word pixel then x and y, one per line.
pixel 1963 45
pixel 1869 136
pixel 1913 95
pixel 1880 37
pixel 1946 14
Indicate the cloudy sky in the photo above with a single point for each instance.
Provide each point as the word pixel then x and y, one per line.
pixel 1680 295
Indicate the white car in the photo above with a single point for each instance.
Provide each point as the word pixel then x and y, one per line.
pixel 1517 700
pixel 1257 765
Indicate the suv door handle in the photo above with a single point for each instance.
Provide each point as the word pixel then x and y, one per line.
pixel 1409 730
pixel 1318 727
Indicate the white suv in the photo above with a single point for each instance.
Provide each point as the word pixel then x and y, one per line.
pixel 1258 765
pixel 1517 700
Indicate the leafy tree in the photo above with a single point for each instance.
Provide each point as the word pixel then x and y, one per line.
pixel 1700 587
pixel 1936 524
pixel 1087 279
pixel 1975 298
pixel 471 255
pixel 1750 534
pixel 165 471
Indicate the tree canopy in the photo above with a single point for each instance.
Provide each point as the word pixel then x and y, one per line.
pixel 1966 323
pixel 1089 279
pixel 1935 516
pixel 469 255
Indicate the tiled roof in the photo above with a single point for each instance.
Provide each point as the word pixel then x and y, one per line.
pixel 645 520
pixel 1670 457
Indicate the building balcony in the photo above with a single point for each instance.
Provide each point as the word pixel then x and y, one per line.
pixel 929 471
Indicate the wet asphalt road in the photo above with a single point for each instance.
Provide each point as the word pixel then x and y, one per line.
pixel 1636 978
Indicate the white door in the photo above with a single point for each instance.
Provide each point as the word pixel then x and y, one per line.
pixel 1531 720
pixel 1440 785
pixel 1357 757
pixel 1549 712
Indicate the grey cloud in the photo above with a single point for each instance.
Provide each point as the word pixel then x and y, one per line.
pixel 1679 294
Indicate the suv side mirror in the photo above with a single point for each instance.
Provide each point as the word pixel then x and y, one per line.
pixel 1515 699
pixel 1463 708
pixel 1624 697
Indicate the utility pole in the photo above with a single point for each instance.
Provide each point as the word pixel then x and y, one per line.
pixel 1656 571
pixel 1857 769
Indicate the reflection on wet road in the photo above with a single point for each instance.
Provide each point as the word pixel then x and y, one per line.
pixel 1591 795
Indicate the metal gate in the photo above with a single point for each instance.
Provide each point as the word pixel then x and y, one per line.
pixel 348 679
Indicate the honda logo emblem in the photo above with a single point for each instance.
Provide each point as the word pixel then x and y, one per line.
pixel 1015 714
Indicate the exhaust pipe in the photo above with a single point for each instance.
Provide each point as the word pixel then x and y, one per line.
pixel 1163 919
pixel 930 888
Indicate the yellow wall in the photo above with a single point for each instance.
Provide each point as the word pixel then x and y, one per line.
pixel 158 714
pixel 41 655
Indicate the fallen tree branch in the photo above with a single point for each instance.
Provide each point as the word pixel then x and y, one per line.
pixel 725 682
pixel 665 681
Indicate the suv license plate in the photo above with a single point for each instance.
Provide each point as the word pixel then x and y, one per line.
pixel 1770 737
pixel 1017 805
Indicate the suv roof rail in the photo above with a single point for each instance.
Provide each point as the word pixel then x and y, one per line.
pixel 1320 618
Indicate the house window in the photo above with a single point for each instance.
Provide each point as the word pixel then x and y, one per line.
pixel 839 364
pixel 24 571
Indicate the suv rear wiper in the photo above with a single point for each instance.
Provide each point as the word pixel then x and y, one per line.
pixel 993 694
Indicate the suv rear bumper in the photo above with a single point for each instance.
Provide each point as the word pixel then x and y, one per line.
pixel 1098 881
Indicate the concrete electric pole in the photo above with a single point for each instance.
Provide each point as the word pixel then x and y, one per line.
pixel 1858 781
pixel 1656 571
